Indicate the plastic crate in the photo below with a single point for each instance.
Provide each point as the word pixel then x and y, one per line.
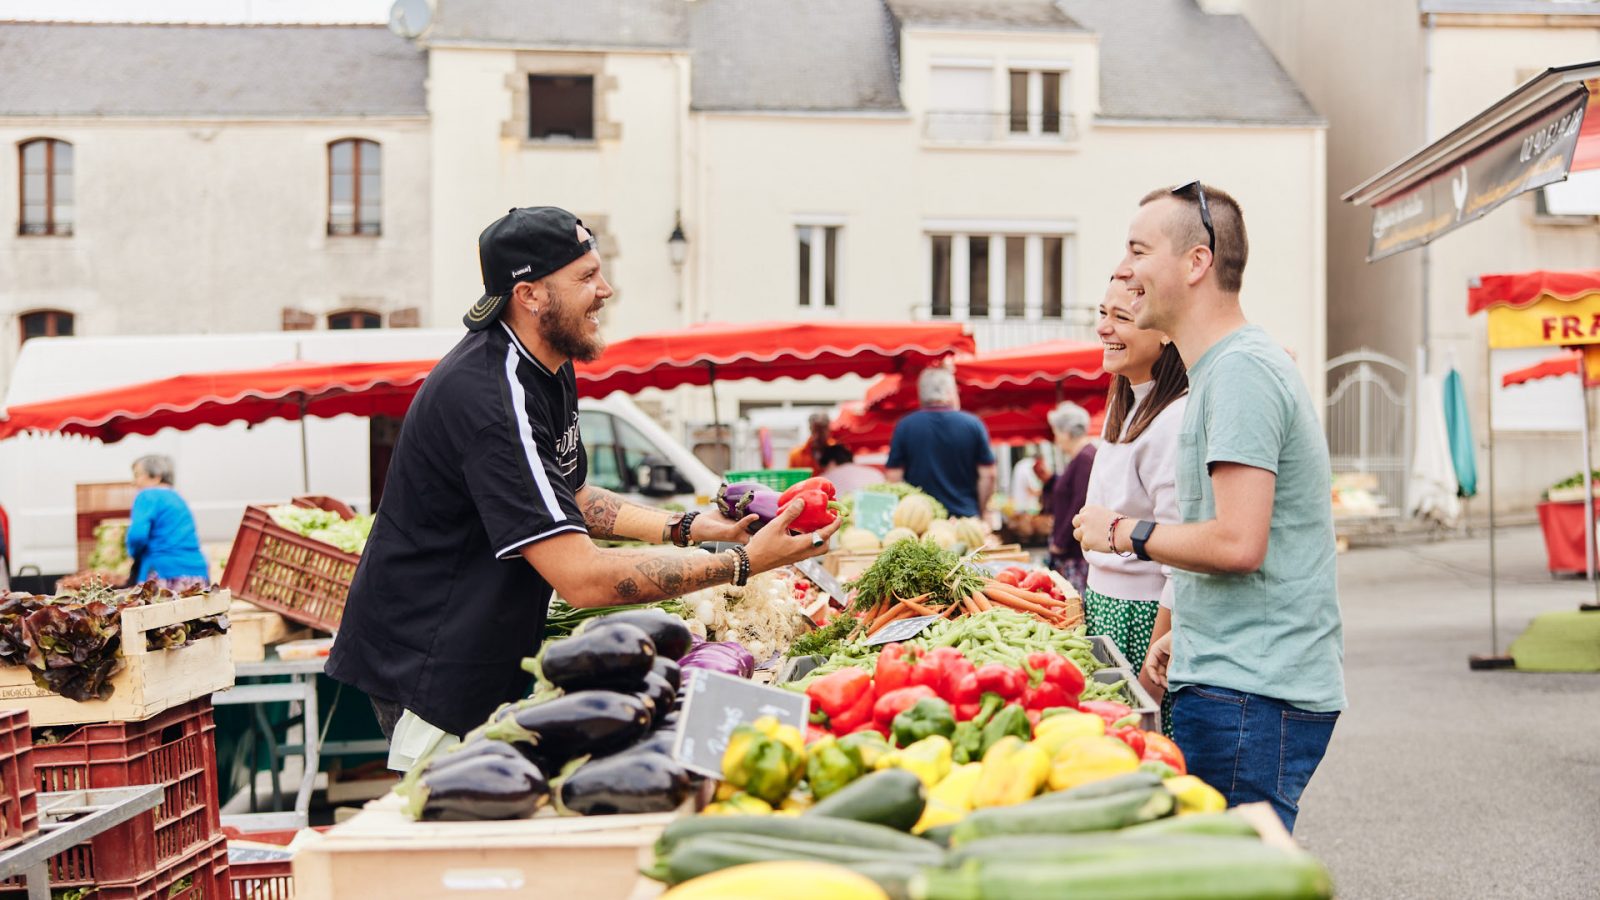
pixel 19 793
pixel 176 749
pixel 262 879
pixel 777 479
pixel 299 578
pixel 1134 695
pixel 201 874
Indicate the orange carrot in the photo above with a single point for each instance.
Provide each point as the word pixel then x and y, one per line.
pixel 918 608
pixel 1018 603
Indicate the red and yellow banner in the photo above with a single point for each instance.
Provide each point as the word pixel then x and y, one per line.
pixel 1548 322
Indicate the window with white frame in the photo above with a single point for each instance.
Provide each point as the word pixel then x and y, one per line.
pixel 819 263
pixel 999 276
pixel 1036 103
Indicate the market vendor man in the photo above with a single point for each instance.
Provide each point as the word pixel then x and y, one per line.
pixel 487 507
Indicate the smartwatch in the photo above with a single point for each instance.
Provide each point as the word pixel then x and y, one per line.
pixel 1141 533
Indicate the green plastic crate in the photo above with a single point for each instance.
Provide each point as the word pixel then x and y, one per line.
pixel 777 479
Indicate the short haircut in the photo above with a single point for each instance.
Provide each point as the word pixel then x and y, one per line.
pixel 935 385
pixel 1186 231
pixel 1069 419
pixel 837 455
pixel 156 466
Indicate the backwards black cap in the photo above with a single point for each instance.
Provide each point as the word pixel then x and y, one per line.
pixel 525 244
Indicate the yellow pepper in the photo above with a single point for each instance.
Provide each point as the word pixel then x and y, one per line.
pixel 1053 733
pixel 1012 772
pixel 765 759
pixel 928 759
pixel 1195 796
pixel 951 799
pixel 1085 759
pixel 784 734
pixel 740 804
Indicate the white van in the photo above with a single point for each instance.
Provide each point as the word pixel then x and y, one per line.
pixel 220 470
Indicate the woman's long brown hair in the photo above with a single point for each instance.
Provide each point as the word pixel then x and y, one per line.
pixel 1171 379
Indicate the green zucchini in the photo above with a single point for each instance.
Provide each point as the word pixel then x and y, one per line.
pixel 892 797
pixel 1066 817
pixel 1259 873
pixel 714 852
pixel 1030 848
pixel 1104 787
pixel 1220 824
pixel 795 828
pixel 940 834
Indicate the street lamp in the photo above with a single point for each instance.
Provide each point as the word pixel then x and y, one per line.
pixel 677 243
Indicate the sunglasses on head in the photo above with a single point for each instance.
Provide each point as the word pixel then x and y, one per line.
pixel 1205 212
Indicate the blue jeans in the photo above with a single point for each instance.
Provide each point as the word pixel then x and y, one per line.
pixel 1250 747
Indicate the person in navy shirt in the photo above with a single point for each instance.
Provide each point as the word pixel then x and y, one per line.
pixel 161 535
pixel 941 450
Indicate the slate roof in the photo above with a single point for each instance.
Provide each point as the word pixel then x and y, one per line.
pixel 72 69
pixel 1169 60
pixel 984 15
pixel 640 24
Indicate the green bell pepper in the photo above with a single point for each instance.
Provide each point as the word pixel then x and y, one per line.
pixel 928 717
pixel 968 737
pixel 830 765
pixel 1012 720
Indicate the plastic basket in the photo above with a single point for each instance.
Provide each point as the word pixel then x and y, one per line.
pixel 777 479
pixel 262 879
pixel 19 794
pixel 201 874
pixel 302 579
pixel 176 749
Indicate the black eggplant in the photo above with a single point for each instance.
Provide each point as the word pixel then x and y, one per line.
pixel 593 723
pixel 605 656
pixel 663 741
pixel 662 694
pixel 669 722
pixel 668 669
pixel 482 786
pixel 473 747
pixel 626 783
pixel 667 631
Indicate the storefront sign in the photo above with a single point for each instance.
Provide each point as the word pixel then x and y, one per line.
pixel 1534 154
pixel 1551 322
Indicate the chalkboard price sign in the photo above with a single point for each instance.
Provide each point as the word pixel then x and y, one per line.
pixel 901 630
pixel 715 704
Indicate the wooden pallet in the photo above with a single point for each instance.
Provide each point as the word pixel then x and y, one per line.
pixel 151 680
pixel 381 852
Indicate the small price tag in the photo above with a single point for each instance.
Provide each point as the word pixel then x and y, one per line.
pixel 901 630
pixel 715 704
pixel 874 511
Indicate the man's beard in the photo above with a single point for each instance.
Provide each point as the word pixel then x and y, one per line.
pixel 562 328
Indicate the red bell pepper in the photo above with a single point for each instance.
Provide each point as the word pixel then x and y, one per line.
pixel 857 717
pixel 1012 577
pixel 937 667
pixel 813 733
pixel 1045 695
pixel 967 711
pixel 1057 670
pixel 1158 746
pixel 837 692
pixel 896 702
pixel 1036 580
pixel 893 671
pixel 1110 710
pixel 1132 736
pixel 817 483
pixel 998 678
pixel 820 512
pixel 964 689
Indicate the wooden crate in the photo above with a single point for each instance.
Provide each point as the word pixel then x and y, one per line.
pixel 381 852
pixel 251 630
pixel 151 681
pixel 95 503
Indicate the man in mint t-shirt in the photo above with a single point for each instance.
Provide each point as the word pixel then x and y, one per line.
pixel 1256 649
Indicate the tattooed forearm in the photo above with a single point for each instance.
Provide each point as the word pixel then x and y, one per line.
pixel 658 575
pixel 600 508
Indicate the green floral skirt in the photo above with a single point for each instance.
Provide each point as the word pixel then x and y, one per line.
pixel 1129 624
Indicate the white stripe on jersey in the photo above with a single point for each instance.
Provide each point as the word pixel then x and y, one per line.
pixel 519 404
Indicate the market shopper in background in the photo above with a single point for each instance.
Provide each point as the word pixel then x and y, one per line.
pixel 840 467
pixel 1135 472
pixel 161 538
pixel 1070 490
pixel 810 454
pixel 1256 648
pixel 487 508
pixel 941 450
pixel 1027 483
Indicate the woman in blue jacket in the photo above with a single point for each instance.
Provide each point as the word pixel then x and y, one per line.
pixel 161 536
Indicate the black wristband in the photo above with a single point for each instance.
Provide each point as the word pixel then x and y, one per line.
pixel 741 567
pixel 1141 533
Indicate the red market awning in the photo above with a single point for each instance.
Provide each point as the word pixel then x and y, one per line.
pixel 1562 364
pixel 767 351
pixel 289 391
pixel 866 431
pixel 1532 137
pixel 1519 290
pixel 1036 374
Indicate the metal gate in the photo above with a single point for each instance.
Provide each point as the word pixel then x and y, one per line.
pixel 1368 412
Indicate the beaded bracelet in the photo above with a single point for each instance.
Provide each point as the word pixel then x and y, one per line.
pixel 741 567
pixel 680 534
pixel 1111 537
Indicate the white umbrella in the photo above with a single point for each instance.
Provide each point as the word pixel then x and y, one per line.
pixel 1433 489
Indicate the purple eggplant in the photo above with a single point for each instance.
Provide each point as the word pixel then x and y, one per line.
pixel 729 496
pixel 763 503
pixel 728 657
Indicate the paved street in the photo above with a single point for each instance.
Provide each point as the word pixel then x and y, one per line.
pixel 1447 783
